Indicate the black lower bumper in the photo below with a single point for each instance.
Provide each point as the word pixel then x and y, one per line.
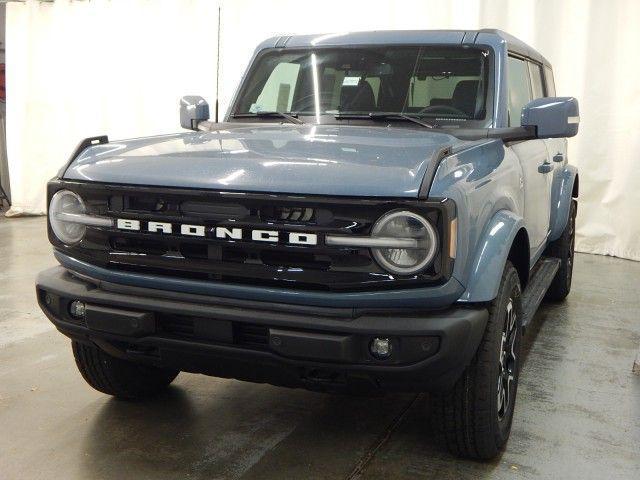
pixel 289 345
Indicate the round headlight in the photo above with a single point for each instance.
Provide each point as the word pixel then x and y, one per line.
pixel 405 226
pixel 63 203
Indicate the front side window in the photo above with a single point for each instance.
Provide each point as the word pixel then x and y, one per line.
pixel 519 90
pixel 433 82
pixel 537 85
pixel 551 86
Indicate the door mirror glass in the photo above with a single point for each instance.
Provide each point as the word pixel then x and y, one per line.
pixel 552 117
pixel 193 110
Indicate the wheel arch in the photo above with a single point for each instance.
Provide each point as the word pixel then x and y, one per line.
pixel 519 256
pixel 566 188
pixel 504 238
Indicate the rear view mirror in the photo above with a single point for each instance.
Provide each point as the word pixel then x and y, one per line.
pixel 380 70
pixel 193 110
pixel 553 117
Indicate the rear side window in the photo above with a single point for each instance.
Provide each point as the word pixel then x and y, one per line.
pixel 551 86
pixel 537 84
pixel 519 89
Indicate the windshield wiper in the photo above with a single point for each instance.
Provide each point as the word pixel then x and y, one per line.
pixel 385 116
pixel 292 117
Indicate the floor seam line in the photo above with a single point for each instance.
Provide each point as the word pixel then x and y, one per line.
pixel 381 441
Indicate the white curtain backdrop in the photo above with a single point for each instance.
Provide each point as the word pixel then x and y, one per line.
pixel 84 68
pixel 77 69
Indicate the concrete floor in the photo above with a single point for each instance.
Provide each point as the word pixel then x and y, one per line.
pixel 577 416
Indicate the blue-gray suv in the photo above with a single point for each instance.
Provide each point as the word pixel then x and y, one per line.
pixel 377 211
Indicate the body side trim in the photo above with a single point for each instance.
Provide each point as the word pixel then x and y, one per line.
pixel 432 168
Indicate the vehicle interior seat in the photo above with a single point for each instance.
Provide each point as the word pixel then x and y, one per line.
pixel 464 96
pixel 359 98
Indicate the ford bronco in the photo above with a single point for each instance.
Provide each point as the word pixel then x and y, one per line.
pixel 377 212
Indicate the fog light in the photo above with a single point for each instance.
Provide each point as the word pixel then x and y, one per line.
pixel 77 309
pixel 48 299
pixel 380 347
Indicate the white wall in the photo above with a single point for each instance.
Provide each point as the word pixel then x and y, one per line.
pixel 77 69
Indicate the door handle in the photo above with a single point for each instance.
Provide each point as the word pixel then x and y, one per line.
pixel 558 157
pixel 545 167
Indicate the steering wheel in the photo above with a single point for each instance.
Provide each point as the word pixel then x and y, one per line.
pixel 443 109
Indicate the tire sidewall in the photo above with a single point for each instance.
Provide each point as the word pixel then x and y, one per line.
pixel 570 245
pixel 510 289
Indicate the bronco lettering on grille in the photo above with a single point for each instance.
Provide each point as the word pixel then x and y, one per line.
pixel 221 233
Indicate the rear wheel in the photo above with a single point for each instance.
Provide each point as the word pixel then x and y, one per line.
pixel 118 377
pixel 475 417
pixel 563 248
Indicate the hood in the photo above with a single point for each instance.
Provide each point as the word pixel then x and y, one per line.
pixel 344 160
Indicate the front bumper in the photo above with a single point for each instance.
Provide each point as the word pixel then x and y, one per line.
pixel 318 348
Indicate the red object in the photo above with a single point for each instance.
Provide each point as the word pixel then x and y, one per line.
pixel 3 91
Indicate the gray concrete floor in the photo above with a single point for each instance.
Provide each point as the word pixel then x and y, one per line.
pixel 577 416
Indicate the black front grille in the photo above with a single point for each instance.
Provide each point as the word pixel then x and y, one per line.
pixel 245 261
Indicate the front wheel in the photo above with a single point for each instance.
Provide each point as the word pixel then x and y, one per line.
pixel 117 377
pixel 475 417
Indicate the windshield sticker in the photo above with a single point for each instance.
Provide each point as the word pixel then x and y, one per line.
pixel 351 81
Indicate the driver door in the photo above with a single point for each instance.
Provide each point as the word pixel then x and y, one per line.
pixel 534 160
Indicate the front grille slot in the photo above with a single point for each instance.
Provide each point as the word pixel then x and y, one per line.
pixel 248 335
pixel 295 259
pixel 214 210
pixel 196 250
pixel 177 325
pixel 145 204
pixel 138 245
pixel 288 214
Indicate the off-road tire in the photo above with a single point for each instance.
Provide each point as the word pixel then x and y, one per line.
pixel 117 377
pixel 563 248
pixel 469 415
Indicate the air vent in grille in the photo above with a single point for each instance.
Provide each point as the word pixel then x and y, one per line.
pixel 256 336
pixel 289 214
pixel 214 210
pixel 144 204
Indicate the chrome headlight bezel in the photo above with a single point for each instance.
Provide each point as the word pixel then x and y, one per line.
pixel 68 218
pixel 430 235
pixel 65 203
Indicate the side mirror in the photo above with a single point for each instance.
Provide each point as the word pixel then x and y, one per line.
pixel 552 117
pixel 193 110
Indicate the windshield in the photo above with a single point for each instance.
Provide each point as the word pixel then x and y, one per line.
pixel 440 83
